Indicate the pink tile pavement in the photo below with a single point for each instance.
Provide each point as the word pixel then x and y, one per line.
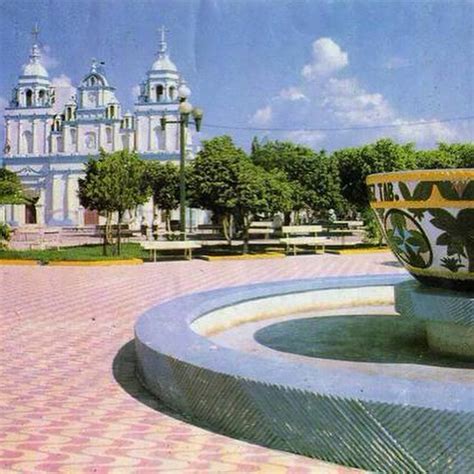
pixel 61 408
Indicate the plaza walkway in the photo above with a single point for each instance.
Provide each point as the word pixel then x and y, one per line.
pixel 68 399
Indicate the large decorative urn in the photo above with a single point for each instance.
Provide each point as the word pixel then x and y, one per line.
pixel 427 218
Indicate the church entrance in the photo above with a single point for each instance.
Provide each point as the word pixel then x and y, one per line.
pixel 30 214
pixel 32 198
pixel 91 217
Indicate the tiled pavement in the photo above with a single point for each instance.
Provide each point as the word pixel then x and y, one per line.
pixel 68 398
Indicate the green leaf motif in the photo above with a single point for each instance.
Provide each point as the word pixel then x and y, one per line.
pixel 418 214
pixel 405 191
pixel 451 263
pixel 423 191
pixel 458 235
pixel 407 239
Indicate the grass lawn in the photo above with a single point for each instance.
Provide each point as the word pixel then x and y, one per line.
pixel 86 253
pixel 90 253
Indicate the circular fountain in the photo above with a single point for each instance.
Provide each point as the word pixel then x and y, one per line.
pixel 326 367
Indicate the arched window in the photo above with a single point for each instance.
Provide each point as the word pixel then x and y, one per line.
pixel 59 144
pixel 172 92
pixel 28 142
pixel 159 92
pixel 90 141
pixel 125 141
pixel 160 139
pixel 108 134
pixel 56 127
pixel 29 97
pixel 42 97
pixel 92 81
pixel 73 136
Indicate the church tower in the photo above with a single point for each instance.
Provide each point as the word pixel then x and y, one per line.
pixel 158 98
pixel 29 115
pixel 97 114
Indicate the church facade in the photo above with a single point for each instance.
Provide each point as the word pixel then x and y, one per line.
pixel 47 142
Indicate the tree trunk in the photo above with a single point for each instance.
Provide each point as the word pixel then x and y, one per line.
pixel 168 220
pixel 119 240
pixel 245 234
pixel 106 236
pixel 227 223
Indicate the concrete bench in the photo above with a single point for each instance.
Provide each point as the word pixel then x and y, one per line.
pixel 302 235
pixel 160 245
pixel 264 228
pixel 39 237
pixel 213 228
pixel 308 241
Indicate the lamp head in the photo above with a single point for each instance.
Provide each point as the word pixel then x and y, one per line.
pixel 183 91
pixel 185 108
pixel 197 114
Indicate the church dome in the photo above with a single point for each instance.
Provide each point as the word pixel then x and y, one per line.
pixel 34 69
pixel 164 63
pixel 34 66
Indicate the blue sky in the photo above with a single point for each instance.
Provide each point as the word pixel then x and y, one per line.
pixel 281 64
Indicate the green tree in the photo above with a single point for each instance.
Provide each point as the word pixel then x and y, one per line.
pixel 314 176
pixel 11 189
pixel 463 153
pixel 164 182
pixel 213 179
pixel 355 164
pixel 435 159
pixel 259 193
pixel 114 183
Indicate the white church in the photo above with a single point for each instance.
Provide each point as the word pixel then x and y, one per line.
pixel 47 142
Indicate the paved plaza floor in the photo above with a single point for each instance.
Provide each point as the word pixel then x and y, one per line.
pixel 69 401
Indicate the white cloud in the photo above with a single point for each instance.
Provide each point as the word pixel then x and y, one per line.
pixel 306 137
pixel 135 92
pixel 48 61
pixel 325 100
pixel 328 57
pixel 64 91
pixel 61 81
pixel 429 133
pixel 353 105
pixel 262 116
pixel 292 94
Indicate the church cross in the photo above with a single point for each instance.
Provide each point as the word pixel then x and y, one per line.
pixel 35 33
pixel 162 30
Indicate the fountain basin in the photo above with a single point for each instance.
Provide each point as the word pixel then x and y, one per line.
pixel 427 218
pixel 354 415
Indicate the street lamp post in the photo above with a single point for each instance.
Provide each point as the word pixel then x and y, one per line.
pixel 185 110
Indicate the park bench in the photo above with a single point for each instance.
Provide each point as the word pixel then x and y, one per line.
pixel 343 229
pixel 212 228
pixel 40 237
pixel 307 235
pixel 264 228
pixel 163 245
pixel 125 232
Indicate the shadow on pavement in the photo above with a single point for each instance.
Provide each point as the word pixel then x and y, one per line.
pixel 124 368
